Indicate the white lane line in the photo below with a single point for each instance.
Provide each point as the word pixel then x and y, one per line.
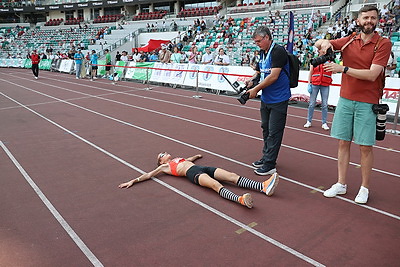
pixel 200 123
pixel 204 150
pixel 88 253
pixel 203 109
pixel 216 212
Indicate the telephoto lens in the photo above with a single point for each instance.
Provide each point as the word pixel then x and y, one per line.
pixel 380 110
pixel 380 127
pixel 243 98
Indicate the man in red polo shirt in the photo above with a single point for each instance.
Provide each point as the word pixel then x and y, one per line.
pixel 35 63
pixel 364 61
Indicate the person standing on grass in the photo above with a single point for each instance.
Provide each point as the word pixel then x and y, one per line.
pixel 209 177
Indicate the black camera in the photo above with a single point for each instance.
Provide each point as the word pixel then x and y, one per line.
pixel 380 110
pixel 329 56
pixel 244 97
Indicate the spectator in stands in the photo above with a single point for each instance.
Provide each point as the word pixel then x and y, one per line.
pixel 193 55
pixel 185 58
pixel 93 63
pixel 51 56
pixel 203 25
pixel 396 13
pixel 117 57
pixel 245 60
pixel 176 56
pixel 207 57
pixel 384 12
pixel 165 54
pixel 43 55
pixel 71 52
pixel 391 65
pixel 124 56
pixel 362 85
pixel 222 59
pixel 143 57
pixel 35 63
pixel 153 57
pixel 78 57
pixel 318 81
pixel 274 83
pixel 135 55
pixel 255 59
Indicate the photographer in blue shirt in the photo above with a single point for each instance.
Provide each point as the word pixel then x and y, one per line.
pixel 274 83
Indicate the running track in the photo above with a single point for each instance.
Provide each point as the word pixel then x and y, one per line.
pixel 66 144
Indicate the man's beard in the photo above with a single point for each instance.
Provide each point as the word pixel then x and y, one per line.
pixel 369 30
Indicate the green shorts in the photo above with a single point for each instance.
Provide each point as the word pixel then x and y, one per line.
pixel 355 121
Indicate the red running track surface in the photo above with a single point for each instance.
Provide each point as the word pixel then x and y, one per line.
pixel 66 144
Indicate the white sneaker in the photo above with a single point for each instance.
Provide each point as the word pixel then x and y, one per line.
pixel 36 77
pixel 308 124
pixel 325 127
pixel 362 196
pixel 77 78
pixel 336 189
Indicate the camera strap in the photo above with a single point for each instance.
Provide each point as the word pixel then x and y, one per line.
pixel 264 59
pixel 353 37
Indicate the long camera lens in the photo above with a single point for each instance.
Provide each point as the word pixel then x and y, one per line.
pixel 330 55
pixel 380 110
pixel 243 98
pixel 380 127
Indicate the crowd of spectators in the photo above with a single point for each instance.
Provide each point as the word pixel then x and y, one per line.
pixel 15 41
pixel 198 33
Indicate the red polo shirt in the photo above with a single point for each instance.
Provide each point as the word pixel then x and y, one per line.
pixel 358 55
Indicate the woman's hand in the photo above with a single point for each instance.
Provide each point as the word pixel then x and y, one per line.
pixel 126 185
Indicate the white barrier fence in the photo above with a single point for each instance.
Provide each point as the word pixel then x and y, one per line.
pixel 209 76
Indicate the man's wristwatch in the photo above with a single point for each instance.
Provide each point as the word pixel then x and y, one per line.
pixel 345 69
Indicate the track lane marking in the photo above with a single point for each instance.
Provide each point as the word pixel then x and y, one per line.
pixel 198 202
pixel 198 108
pixel 74 236
pixel 210 152
pixel 202 124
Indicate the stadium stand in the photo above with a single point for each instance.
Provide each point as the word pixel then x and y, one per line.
pixel 232 33
pixel 150 15
pixel 108 18
pixel 199 11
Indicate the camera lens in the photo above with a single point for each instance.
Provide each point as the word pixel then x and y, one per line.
pixel 243 98
pixel 380 127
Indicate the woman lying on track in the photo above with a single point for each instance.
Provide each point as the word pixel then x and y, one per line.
pixel 208 177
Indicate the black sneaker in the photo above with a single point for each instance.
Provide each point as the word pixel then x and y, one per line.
pixel 262 171
pixel 258 163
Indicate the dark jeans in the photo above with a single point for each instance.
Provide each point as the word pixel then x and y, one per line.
pixel 273 121
pixel 35 69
